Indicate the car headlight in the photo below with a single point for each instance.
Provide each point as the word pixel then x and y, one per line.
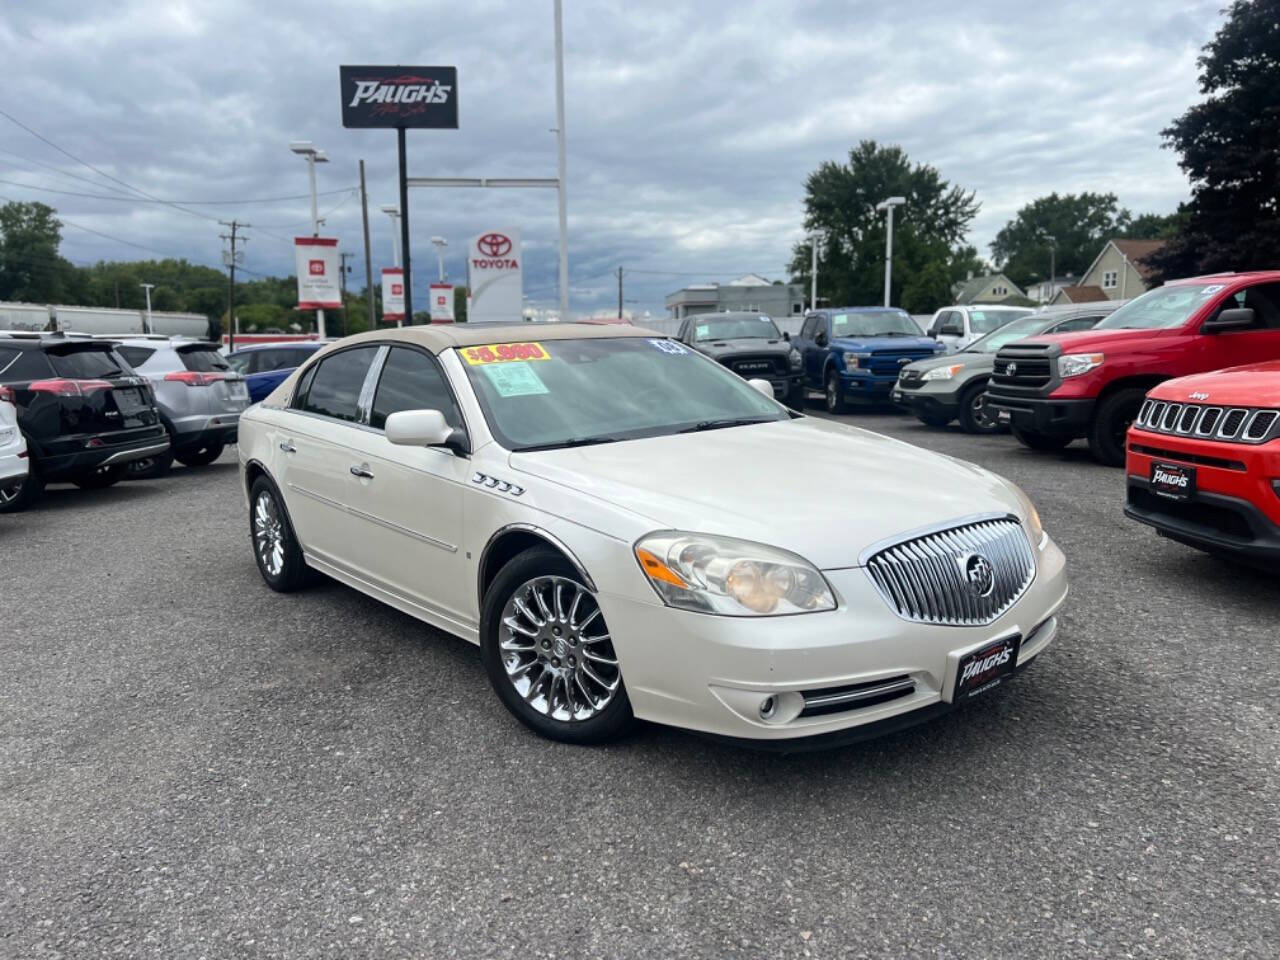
pixel 1035 530
pixel 943 373
pixel 852 361
pixel 795 359
pixel 722 575
pixel 1074 364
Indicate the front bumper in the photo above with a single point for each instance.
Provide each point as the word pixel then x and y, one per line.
pixel 866 388
pixel 711 674
pixel 926 402
pixel 1043 415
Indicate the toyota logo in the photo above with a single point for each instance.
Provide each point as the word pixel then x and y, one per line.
pixel 979 575
pixel 494 245
pixel 1011 370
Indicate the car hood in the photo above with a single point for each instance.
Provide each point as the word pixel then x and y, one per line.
pixel 1253 385
pixel 755 345
pixel 973 362
pixel 816 488
pixel 1088 341
pixel 885 343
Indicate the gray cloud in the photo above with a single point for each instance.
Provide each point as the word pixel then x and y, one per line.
pixel 690 127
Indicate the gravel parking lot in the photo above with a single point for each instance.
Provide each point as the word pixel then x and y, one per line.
pixel 194 766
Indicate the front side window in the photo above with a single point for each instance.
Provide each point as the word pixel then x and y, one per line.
pixel 879 323
pixel 334 388
pixel 735 328
pixel 411 380
pixel 576 392
pixel 1162 308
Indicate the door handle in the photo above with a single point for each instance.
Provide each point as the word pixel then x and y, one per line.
pixel 362 472
pixel 288 447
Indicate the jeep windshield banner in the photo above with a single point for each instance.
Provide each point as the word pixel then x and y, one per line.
pixel 400 97
pixel 318 280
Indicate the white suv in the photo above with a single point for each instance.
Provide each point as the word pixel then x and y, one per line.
pixel 13 449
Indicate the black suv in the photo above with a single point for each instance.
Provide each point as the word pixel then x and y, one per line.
pixel 751 346
pixel 84 412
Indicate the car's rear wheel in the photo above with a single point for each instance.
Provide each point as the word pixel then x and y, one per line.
pixel 1045 442
pixel 150 468
pixel 22 492
pixel 200 456
pixel 1111 425
pixel 975 415
pixel 275 547
pixel 548 652
pixel 100 478
pixel 833 395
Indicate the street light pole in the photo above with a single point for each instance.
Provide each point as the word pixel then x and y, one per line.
pixel 440 243
pixel 887 206
pixel 392 211
pixel 813 272
pixel 306 148
pixel 148 287
pixel 560 164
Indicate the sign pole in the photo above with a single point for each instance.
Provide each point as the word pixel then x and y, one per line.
pixel 404 230
pixel 368 258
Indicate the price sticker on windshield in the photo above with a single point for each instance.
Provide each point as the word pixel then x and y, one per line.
pixel 504 353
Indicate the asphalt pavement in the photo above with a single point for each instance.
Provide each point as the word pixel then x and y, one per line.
pixel 193 766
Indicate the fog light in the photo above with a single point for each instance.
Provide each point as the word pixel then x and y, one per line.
pixel 768 708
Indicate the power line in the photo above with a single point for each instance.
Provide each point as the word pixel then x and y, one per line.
pixel 204 203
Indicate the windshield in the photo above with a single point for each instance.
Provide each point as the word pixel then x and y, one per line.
pixel 1017 330
pixel 735 328
pixel 570 392
pixel 86 363
pixel 984 321
pixel 877 323
pixel 1162 308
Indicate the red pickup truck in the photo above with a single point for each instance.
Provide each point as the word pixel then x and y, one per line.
pixel 1204 462
pixel 1055 389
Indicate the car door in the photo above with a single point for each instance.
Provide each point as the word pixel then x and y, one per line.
pixel 1231 348
pixel 315 456
pixel 410 500
pixel 814 355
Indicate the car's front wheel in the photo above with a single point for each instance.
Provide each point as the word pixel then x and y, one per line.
pixel 275 547
pixel 547 649
pixel 975 415
pixel 21 492
pixel 1111 425
pixel 833 395
pixel 200 456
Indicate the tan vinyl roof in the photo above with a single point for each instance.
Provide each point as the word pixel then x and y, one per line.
pixel 438 337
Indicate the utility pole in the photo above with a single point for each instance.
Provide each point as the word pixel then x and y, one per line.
pixel 342 279
pixel 368 257
pixel 560 165
pixel 619 293
pixel 148 287
pixel 813 272
pixel 231 285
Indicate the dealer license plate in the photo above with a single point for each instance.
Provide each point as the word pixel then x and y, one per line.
pixel 129 400
pixel 986 668
pixel 1173 480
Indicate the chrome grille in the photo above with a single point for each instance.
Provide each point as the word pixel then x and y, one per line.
pixel 1237 424
pixel 924 578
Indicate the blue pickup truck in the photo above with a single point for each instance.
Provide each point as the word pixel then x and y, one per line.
pixel 853 354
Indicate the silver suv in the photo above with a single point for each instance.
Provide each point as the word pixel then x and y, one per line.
pixel 200 398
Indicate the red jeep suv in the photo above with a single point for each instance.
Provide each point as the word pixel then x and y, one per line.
pixel 1204 462
pixel 1054 389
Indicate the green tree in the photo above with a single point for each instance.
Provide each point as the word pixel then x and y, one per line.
pixel 30 266
pixel 1230 149
pixel 1079 223
pixel 1153 226
pixel 840 202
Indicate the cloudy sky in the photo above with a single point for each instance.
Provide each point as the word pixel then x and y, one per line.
pixel 691 125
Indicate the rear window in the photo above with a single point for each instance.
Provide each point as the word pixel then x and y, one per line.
pixel 86 363
pixel 203 359
pixel 135 356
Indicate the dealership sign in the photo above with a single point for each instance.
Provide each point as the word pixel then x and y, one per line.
pixel 442 303
pixel 393 294
pixel 399 97
pixel 493 276
pixel 316 259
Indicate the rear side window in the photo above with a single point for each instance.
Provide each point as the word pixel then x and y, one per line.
pixel 267 360
pixel 27 365
pixel 334 390
pixel 85 364
pixel 7 356
pixel 203 359
pixel 411 381
pixel 135 356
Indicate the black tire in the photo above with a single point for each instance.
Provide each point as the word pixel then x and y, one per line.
pixel 611 722
pixel 1045 442
pixel 200 456
pixel 833 396
pixel 149 468
pixel 796 397
pixel 1111 422
pixel 933 419
pixel 293 572
pixel 19 494
pixel 101 478
pixel 972 417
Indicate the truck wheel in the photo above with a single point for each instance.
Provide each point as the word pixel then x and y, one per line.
pixel 975 415
pixel 833 395
pixel 1041 441
pixel 1111 424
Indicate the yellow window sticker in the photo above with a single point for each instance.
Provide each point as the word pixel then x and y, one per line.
pixel 504 353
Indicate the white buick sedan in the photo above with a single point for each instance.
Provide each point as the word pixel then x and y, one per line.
pixel 628 530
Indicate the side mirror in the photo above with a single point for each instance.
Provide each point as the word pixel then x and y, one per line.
pixel 761 386
pixel 786 336
pixel 820 339
pixel 1236 318
pixel 425 428
pixel 951 330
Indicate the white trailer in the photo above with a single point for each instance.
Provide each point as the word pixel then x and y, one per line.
pixel 97 320
pixel 28 317
pixel 180 324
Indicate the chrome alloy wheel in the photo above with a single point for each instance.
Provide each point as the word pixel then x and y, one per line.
pixel 268 534
pixel 556 649
pixel 10 492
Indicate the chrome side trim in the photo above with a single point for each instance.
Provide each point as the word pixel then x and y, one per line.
pixel 538 532
pixel 315 496
pixel 451 548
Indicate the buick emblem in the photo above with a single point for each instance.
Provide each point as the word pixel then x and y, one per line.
pixel 494 245
pixel 1011 370
pixel 979 575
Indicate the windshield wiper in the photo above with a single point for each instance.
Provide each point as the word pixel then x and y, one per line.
pixel 572 442
pixel 726 422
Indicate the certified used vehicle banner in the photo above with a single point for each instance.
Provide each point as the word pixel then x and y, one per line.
pixel 392 294
pixel 318 278
pixel 442 303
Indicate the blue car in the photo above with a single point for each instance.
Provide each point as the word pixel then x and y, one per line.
pixel 266 365
pixel 854 354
